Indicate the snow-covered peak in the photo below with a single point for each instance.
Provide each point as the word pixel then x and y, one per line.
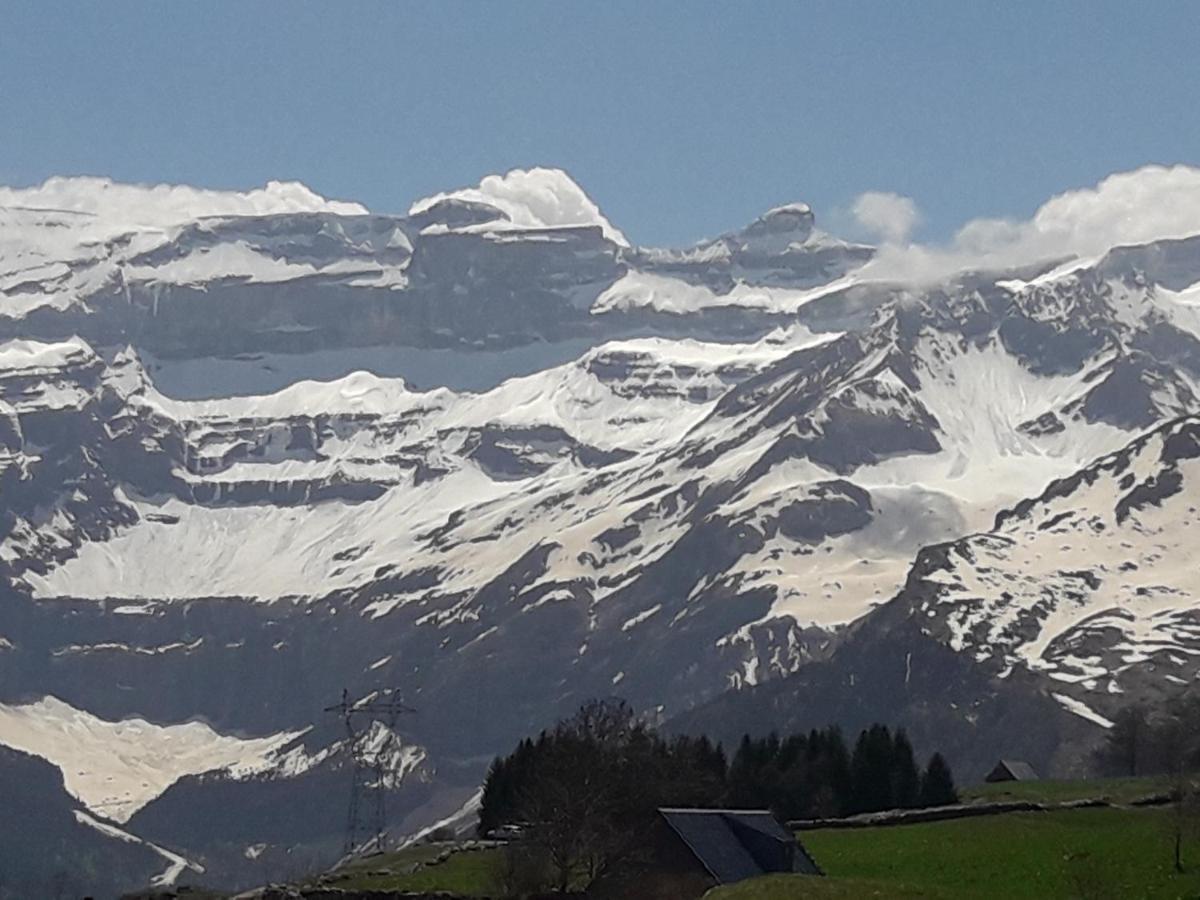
pixel 784 239
pixel 791 217
pixel 779 229
pixel 138 205
pixel 530 198
pixel 799 209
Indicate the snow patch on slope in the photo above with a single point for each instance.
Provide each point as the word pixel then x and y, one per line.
pixel 980 397
pixel 635 290
pixel 116 768
pixel 359 393
pixel 235 259
pixel 1082 710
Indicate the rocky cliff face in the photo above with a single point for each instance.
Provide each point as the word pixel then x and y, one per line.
pixel 571 468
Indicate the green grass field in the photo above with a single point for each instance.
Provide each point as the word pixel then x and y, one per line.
pixel 1089 853
pixel 1115 790
pixel 469 873
pixel 794 887
pixel 417 854
pixel 1074 853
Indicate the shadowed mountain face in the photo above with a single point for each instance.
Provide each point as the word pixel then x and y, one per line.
pixel 50 846
pixel 248 461
pixel 900 675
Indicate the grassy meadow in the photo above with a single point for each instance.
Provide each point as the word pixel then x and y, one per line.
pixel 1092 854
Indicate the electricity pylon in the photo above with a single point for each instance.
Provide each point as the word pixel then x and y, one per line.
pixel 366 819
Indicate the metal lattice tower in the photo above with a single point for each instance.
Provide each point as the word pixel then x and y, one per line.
pixel 366 819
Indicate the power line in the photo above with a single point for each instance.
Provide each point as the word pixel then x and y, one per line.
pixel 366 818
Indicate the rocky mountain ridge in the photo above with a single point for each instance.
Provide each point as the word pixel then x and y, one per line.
pixel 575 468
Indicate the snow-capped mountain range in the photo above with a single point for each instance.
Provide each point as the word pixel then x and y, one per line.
pixel 255 448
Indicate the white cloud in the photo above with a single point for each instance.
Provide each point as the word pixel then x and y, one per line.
pixel 533 198
pixel 1147 204
pixel 886 215
pixel 140 205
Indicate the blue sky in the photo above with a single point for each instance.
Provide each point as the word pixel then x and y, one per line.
pixel 681 120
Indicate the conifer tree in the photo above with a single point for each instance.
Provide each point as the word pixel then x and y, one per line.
pixel 835 756
pixel 937 784
pixel 871 771
pixel 906 777
pixel 490 802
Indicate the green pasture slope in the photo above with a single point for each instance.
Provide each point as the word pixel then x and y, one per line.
pixel 1115 790
pixel 1087 853
pixel 1072 853
pixel 468 874
pixel 808 887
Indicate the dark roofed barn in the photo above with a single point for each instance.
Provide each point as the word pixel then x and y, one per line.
pixel 690 851
pixel 1011 770
pixel 696 849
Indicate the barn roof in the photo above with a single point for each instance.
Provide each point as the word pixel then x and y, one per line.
pixel 712 841
pixel 760 821
pixel 715 837
pixel 1020 770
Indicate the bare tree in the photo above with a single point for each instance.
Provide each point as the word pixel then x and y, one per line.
pixel 575 808
pixel 600 776
pixel 1184 814
pixel 1177 743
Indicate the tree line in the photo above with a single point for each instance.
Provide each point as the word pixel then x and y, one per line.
pixel 815 776
pixel 584 793
pixel 1164 741
pixel 1153 740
